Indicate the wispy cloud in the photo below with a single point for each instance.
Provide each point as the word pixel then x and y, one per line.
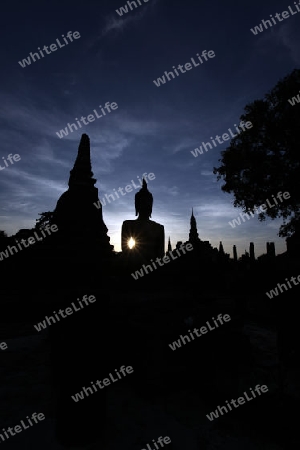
pixel 117 25
pixel 174 191
pixel 214 209
pixel 283 35
pixel 36 181
pixel 185 144
pixel 287 36
pixel 24 115
pixel 207 173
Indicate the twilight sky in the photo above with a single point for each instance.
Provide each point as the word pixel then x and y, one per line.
pixel 115 59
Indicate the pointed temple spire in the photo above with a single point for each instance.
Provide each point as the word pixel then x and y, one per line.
pixel 235 253
pixel 169 245
pixel 251 251
pixel 193 235
pixel 81 174
pixel 193 221
pixel 76 214
pixel 221 249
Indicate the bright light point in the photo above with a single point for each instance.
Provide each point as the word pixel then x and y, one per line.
pixel 131 243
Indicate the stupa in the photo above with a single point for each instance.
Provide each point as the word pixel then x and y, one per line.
pixel 75 214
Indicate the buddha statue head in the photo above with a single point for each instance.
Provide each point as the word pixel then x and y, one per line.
pixel 143 203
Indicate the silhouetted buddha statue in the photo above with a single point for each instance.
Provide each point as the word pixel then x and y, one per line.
pixel 143 237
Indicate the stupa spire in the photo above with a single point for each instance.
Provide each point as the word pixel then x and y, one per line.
pixel 193 235
pixel 221 249
pixel 78 212
pixel 82 174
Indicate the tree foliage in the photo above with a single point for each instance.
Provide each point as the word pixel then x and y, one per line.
pixel 3 238
pixel 265 159
pixel 45 219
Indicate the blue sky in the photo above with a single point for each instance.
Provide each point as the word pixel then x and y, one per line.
pixel 154 128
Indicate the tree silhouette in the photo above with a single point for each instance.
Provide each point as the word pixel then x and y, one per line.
pixel 3 238
pixel 45 219
pixel 265 160
pixel 3 235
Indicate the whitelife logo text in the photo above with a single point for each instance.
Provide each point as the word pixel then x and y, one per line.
pixel 107 381
pixel 90 119
pixel 267 23
pixel 260 209
pixel 201 331
pixel 53 48
pixel 294 100
pixel 274 292
pixel 187 66
pixel 161 261
pixel 32 240
pixel 68 311
pixel 241 401
pixel 124 9
pixel 128 188
pixel 225 137
pixel 16 157
pixel 18 428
